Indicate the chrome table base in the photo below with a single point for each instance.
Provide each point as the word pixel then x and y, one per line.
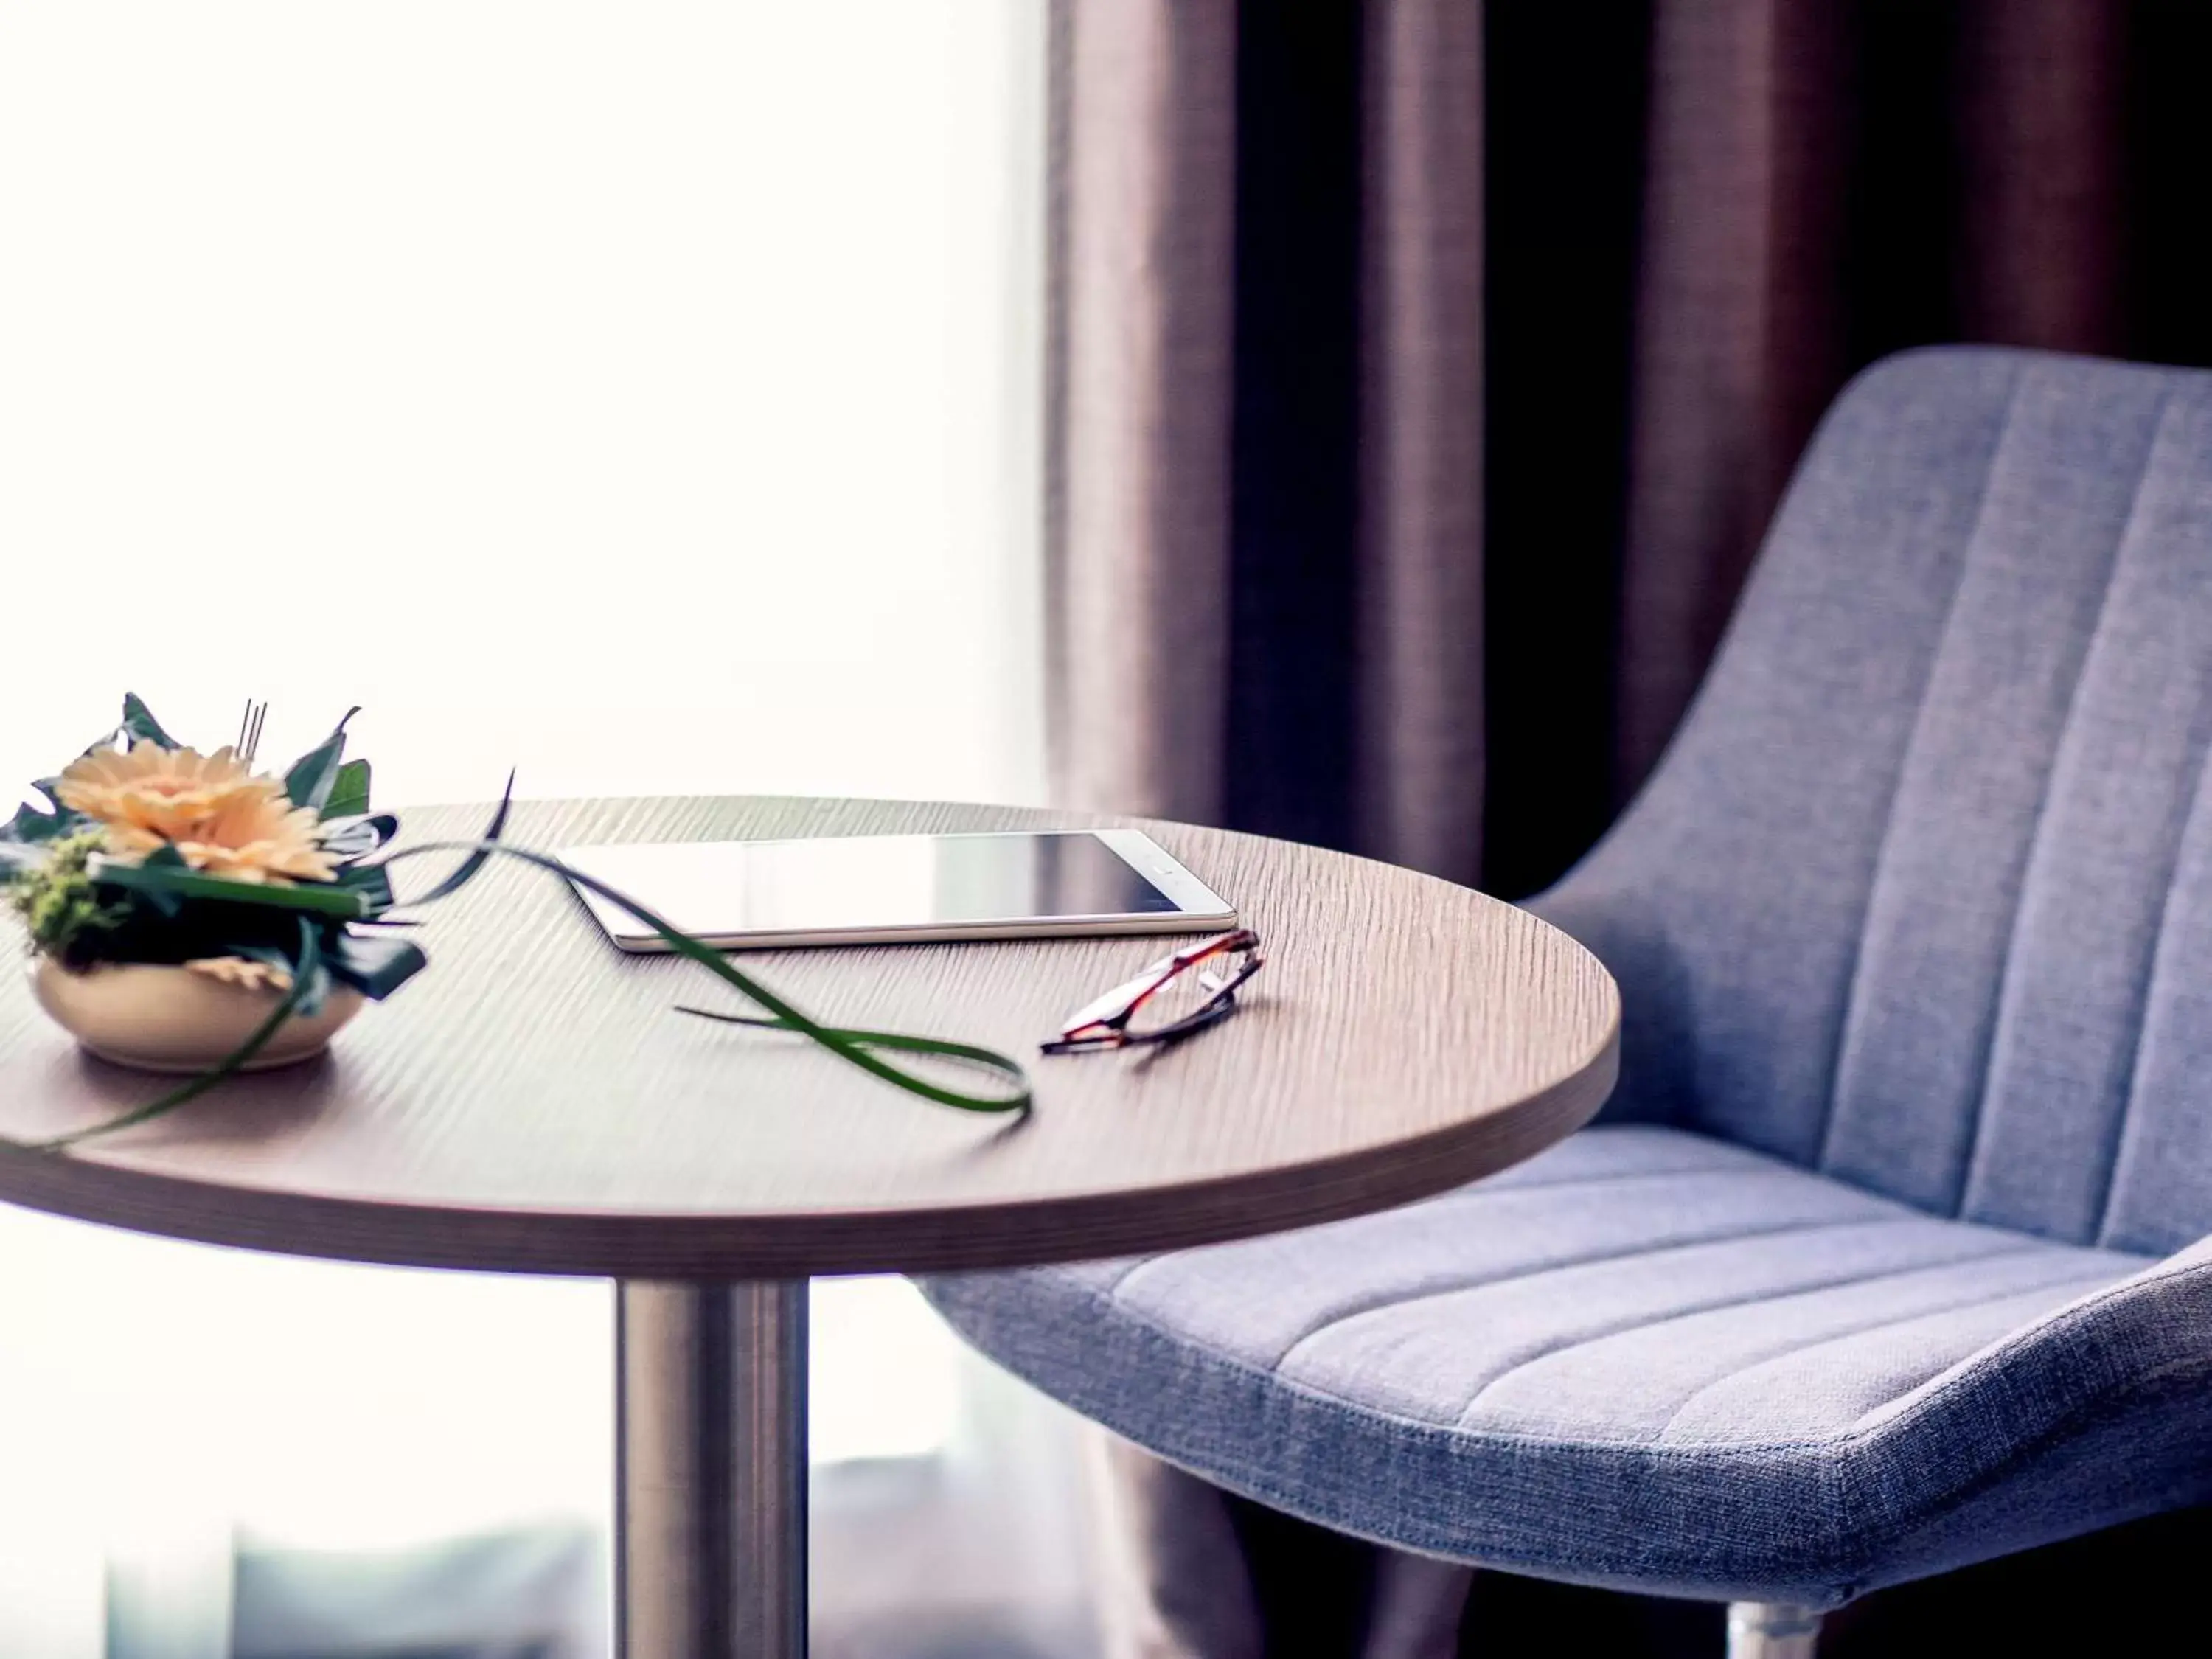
pixel 1773 1630
pixel 710 1484
pixel 710 1495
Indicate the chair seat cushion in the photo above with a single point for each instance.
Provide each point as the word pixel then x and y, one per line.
pixel 1645 1358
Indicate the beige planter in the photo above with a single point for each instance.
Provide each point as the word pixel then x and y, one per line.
pixel 171 1019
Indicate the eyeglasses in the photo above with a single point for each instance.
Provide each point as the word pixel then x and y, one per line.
pixel 1174 997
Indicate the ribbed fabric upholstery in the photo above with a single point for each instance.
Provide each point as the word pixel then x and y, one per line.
pixel 1645 1359
pixel 1896 904
pixel 1639 1285
pixel 1914 933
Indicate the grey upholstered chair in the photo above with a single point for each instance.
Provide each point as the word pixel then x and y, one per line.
pixel 1887 1257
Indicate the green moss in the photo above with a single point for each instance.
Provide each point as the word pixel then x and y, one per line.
pixel 58 903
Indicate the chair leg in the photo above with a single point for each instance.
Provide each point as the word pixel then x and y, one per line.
pixel 1771 1630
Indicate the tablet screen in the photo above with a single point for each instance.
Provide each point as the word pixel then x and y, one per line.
pixel 842 885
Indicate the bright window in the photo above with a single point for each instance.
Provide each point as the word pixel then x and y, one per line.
pixel 642 395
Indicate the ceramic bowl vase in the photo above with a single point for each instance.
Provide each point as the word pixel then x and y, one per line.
pixel 156 1018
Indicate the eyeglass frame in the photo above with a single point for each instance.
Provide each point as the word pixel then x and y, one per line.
pixel 1102 1024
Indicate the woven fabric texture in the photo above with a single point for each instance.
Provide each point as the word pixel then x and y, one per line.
pixel 1882 1260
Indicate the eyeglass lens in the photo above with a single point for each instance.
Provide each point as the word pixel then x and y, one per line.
pixel 1192 994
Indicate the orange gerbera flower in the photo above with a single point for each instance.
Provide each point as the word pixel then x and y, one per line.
pixel 220 818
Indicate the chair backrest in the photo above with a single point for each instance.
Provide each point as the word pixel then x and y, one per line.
pixel 1921 896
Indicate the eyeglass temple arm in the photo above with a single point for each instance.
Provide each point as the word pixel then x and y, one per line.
pixel 1113 1010
pixel 1118 1004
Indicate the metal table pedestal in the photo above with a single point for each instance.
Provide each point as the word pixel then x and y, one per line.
pixel 710 1499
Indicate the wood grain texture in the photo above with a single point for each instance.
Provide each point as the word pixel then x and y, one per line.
pixel 532 1104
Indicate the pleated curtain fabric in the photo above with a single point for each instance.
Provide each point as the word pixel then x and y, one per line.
pixel 1423 377
pixel 1248 628
pixel 1143 229
pixel 1786 240
pixel 1418 781
pixel 1424 374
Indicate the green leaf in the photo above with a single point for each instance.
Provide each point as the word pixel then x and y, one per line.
pixel 466 871
pixel 377 966
pixel 360 838
pixel 349 796
pixel 147 883
pixel 158 877
pixel 32 824
pixel 372 884
pixel 138 721
pixel 312 979
pixel 314 777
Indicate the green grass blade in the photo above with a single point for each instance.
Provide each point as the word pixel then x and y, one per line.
pixel 321 898
pixel 314 777
pixel 480 849
pixel 854 1047
pixel 139 722
pixel 307 969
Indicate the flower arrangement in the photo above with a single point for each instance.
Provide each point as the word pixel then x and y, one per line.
pixel 148 853
pixel 152 852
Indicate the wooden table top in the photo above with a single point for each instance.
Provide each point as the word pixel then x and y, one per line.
pixel 531 1103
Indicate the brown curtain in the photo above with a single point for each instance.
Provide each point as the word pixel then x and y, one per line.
pixel 1425 373
pixel 1143 318
pixel 1268 409
pixel 1782 133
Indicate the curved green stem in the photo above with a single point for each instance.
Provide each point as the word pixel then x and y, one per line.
pixel 852 1046
pixel 311 956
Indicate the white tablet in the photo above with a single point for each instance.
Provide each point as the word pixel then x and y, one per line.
pixel 878 890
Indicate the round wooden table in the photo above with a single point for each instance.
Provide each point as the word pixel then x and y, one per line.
pixel 532 1105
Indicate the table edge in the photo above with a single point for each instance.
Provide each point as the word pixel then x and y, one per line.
pixel 707 1247
pixel 790 1244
